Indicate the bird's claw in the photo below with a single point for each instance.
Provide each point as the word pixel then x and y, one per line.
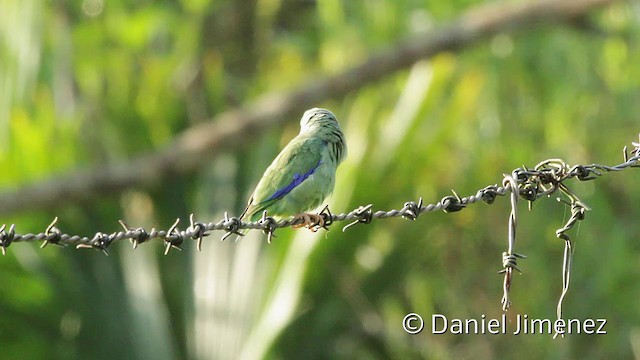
pixel 312 222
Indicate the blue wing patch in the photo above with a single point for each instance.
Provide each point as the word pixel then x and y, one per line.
pixel 297 180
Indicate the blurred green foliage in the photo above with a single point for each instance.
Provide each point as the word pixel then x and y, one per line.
pixel 93 82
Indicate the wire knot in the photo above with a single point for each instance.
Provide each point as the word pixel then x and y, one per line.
pixel 327 217
pixel 198 230
pixel 509 261
pixel 138 236
pixel 529 192
pixel 100 241
pixel 365 215
pixel 489 194
pixel 521 175
pixel 451 204
pixel 52 234
pixel 174 238
pixel 549 177
pixel 412 210
pixel 583 173
pixel 269 226
pixel 232 225
pixel 636 146
pixel 6 237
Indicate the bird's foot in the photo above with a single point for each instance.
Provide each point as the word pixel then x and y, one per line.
pixel 312 222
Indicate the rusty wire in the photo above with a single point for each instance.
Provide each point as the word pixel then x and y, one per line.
pixel 544 179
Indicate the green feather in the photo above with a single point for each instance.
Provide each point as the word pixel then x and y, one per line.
pixel 283 191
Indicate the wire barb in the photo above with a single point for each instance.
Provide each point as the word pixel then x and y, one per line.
pixel 488 194
pixel 232 225
pixel 173 239
pixel 578 210
pixel 138 236
pixel 509 262
pixel 364 215
pixel 509 257
pixel 6 238
pixel 327 217
pixel 198 231
pixel 52 234
pixel 452 203
pixel 412 210
pixel 269 226
pixel 100 241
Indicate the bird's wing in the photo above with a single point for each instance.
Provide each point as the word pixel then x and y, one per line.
pixel 295 163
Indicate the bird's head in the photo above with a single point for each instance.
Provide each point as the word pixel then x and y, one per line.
pixel 318 119
pixel 322 124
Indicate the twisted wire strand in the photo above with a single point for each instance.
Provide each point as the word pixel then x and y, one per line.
pixel 546 178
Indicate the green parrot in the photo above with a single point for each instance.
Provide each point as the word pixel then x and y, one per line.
pixel 302 176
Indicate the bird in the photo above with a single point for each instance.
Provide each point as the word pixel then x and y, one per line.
pixel 303 175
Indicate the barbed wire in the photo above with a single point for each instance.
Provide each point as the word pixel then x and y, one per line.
pixel 544 179
pixel 189 150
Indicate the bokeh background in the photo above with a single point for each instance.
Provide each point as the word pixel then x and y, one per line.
pixel 92 83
